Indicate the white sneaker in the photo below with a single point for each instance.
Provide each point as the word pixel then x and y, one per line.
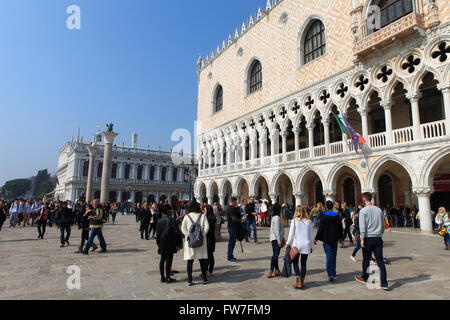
pixel 353 258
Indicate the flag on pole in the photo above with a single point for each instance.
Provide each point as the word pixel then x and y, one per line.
pixel 348 130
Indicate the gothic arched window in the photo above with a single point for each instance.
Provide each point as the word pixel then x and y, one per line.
pixel 218 99
pixel 314 44
pixel 255 76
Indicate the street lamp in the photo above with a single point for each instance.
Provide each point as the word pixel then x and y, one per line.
pixel 190 176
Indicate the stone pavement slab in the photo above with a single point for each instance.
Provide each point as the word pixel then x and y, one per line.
pixel 36 269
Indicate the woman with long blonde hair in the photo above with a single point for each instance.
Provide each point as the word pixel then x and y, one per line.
pixel 443 221
pixel 301 240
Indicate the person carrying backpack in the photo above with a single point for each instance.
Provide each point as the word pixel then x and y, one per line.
pixel 195 226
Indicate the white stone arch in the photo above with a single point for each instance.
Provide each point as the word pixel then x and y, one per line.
pixel 371 184
pixel 303 173
pixel 418 77
pixel 247 74
pixel 389 91
pixel 312 113
pixel 319 102
pixel 328 110
pixel 198 188
pixel 346 102
pixel 333 176
pixel 301 38
pixel 296 121
pixel 209 190
pixel 252 186
pixel 274 182
pixel 213 97
pixel 366 96
pixel 222 185
pixel 427 174
pixel 335 87
pixel 237 187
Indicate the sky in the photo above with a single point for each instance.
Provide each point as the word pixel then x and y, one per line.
pixel 132 63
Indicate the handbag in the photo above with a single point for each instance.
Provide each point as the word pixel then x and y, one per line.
pixel 357 237
pixel 294 251
pixel 443 232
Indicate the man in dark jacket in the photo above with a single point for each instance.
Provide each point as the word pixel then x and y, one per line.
pixel 251 220
pixel 234 227
pixel 330 232
pixel 83 223
pixel 145 216
pixel 168 241
pixel 64 219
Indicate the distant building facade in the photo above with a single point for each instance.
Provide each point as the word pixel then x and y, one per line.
pixel 136 174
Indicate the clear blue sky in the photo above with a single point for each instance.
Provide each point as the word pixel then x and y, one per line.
pixel 132 63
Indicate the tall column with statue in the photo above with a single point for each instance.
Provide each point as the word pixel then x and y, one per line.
pixel 92 149
pixel 108 137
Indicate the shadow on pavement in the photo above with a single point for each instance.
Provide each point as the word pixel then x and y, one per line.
pixel 399 282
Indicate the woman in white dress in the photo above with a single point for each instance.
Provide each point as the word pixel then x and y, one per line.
pixel 300 237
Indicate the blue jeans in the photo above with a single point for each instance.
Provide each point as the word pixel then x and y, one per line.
pixel 304 258
pixel 61 237
pixel 95 232
pixel 331 253
pixel 276 254
pixel 357 248
pixel 447 239
pixel 374 245
pixel 252 224
pixel 315 221
pixel 231 243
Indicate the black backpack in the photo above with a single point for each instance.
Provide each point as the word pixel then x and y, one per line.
pixel 195 238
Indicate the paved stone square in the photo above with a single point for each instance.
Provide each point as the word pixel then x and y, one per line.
pixel 36 269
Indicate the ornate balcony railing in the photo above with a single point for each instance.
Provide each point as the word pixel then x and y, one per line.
pixel 377 140
pixel 433 129
pixel 386 35
pixel 403 135
pixel 429 131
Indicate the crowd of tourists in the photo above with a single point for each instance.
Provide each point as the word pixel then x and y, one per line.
pixel 194 228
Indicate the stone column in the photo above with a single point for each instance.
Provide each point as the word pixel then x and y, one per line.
pixel 445 88
pixel 284 135
pixel 311 140
pixel 106 175
pixel 119 196
pixel 329 195
pixel 236 153
pixel 92 149
pixel 253 147
pixel 274 142
pixel 423 195
pixel 273 197
pixel 243 149
pixel 222 200
pixel 262 144
pixel 229 151
pixel 326 133
pixel 414 99
pixel 364 123
pixel 210 199
pixel 298 198
pixel 297 140
pixel 387 105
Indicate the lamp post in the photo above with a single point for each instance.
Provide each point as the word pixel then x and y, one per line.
pixel 190 176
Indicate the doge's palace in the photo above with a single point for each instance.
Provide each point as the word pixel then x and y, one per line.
pixel 269 93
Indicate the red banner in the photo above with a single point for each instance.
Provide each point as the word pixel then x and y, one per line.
pixel 442 183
